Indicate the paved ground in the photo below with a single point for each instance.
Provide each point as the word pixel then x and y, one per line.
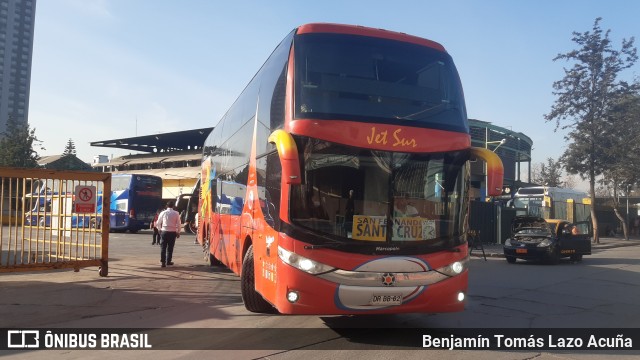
pixel 136 283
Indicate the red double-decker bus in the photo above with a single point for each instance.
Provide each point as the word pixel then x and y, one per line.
pixel 337 183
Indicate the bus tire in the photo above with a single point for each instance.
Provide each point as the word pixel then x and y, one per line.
pixel 253 301
pixel 209 258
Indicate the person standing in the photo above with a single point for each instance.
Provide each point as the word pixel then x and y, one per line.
pixel 156 232
pixel 169 225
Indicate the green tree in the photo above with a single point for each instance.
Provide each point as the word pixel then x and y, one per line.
pixel 70 148
pixel 16 145
pixel 549 174
pixel 69 160
pixel 585 97
pixel 623 154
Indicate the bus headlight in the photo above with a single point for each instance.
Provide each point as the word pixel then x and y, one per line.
pixel 507 242
pixel 454 269
pixel 302 263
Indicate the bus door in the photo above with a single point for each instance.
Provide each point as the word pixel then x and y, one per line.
pixel 229 207
pixel 235 225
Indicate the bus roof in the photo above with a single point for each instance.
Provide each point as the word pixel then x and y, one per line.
pixel 366 31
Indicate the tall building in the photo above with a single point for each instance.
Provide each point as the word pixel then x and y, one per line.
pixel 17 18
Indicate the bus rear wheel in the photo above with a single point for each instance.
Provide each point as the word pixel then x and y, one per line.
pixel 208 256
pixel 253 301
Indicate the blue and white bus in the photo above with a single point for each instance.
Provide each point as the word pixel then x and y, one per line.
pixel 135 198
pixel 134 201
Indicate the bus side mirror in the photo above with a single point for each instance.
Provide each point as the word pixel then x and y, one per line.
pixel 288 153
pixel 495 170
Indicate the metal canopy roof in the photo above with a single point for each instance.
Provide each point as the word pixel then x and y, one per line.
pixel 166 142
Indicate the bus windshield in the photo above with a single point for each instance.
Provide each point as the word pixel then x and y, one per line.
pixel 351 195
pixel 533 205
pixel 359 78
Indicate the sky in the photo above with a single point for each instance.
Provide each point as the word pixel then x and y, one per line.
pixel 108 69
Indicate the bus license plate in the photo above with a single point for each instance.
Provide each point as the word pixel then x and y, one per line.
pixel 386 299
pixel 521 251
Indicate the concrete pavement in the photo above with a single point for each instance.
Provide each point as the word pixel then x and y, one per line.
pixel 138 292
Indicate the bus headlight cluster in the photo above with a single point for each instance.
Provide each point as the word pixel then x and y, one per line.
pixel 302 263
pixel 454 269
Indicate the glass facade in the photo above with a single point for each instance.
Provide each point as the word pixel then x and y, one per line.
pixel 17 19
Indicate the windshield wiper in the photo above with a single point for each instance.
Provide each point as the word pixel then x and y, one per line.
pixel 412 116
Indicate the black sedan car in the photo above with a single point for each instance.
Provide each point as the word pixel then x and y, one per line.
pixel 534 238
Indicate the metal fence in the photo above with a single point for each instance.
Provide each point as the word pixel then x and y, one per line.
pixel 53 220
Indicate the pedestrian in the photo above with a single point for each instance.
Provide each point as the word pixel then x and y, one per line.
pixel 156 232
pixel 169 225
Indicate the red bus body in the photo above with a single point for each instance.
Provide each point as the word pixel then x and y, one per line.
pixel 292 152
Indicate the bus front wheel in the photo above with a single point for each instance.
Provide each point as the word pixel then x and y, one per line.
pixel 253 301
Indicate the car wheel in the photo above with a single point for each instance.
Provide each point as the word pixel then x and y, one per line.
pixel 511 259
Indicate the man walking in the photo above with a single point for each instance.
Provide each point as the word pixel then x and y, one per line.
pixel 169 225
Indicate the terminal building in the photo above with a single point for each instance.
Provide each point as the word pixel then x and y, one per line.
pixel 513 148
pixel 176 157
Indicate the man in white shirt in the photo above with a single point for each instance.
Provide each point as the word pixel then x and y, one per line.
pixel 168 224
